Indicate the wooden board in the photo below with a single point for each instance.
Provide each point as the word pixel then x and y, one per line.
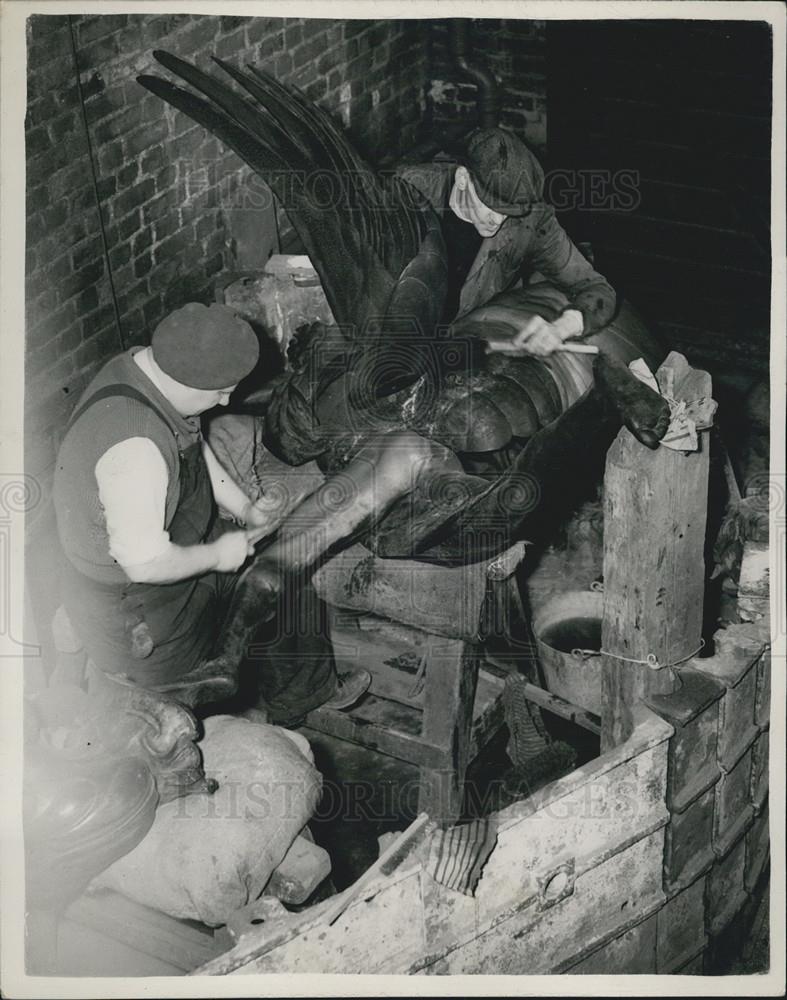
pixel 655 510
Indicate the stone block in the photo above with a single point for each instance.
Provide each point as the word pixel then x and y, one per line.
pixel 693 710
pixel 726 892
pixel 581 819
pixel 759 771
pixel 604 901
pixel 449 917
pixel 688 842
pixel 301 870
pixel 733 810
pixel 633 952
pixel 681 928
pixel 735 665
pixel 737 729
pixel 758 845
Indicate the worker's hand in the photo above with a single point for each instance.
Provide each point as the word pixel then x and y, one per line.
pixel 538 337
pixel 232 549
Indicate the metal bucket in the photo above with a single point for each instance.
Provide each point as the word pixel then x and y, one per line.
pixel 568 634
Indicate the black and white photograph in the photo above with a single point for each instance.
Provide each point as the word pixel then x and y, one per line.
pixel 392 498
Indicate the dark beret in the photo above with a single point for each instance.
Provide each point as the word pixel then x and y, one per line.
pixel 205 347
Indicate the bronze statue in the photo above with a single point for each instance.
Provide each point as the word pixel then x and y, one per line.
pixel 384 402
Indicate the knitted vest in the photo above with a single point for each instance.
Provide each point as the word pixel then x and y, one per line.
pixel 80 516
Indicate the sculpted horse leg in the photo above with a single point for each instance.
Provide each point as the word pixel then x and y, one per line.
pixel 344 506
pixel 408 496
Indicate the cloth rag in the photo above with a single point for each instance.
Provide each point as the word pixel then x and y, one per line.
pixel 686 417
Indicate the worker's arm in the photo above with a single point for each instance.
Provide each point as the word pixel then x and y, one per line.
pixel 179 562
pixel 227 494
pixel 559 261
pixel 591 298
pixel 132 485
pixel 226 491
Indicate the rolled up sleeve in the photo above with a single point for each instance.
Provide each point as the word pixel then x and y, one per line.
pixel 132 483
pixel 559 260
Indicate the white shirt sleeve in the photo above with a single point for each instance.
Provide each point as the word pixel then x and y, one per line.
pixel 132 482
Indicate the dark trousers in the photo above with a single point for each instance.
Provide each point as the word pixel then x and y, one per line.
pixel 292 656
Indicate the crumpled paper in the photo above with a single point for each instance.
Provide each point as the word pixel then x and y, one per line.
pixel 686 416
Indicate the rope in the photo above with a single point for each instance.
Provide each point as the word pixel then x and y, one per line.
pixel 651 660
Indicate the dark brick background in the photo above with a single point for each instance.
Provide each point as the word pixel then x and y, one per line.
pixel 164 185
pixel 515 52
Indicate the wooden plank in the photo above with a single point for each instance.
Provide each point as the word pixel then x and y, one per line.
pixel 448 715
pixel 149 931
pixel 486 724
pixel 338 908
pixel 384 726
pixel 439 599
pixel 559 706
pixel 655 510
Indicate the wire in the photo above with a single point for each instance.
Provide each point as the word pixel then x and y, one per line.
pixel 651 660
pixel 104 241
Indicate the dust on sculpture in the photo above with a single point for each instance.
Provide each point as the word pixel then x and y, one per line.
pixel 391 401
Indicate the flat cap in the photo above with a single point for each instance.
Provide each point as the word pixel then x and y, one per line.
pixel 205 347
pixel 507 177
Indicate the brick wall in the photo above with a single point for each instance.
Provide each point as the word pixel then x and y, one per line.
pixel 514 50
pixel 166 189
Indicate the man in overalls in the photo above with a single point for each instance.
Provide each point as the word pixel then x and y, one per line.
pixel 150 567
pixel 497 187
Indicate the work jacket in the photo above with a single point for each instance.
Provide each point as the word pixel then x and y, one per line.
pixel 522 246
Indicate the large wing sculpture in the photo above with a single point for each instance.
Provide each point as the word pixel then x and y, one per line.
pixel 375 243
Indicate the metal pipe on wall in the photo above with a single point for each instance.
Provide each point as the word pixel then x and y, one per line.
pixel 488 100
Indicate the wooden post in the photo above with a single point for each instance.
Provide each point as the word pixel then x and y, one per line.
pixel 452 676
pixel 655 509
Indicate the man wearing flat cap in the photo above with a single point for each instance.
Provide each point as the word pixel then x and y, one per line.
pixel 149 568
pixel 498 188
